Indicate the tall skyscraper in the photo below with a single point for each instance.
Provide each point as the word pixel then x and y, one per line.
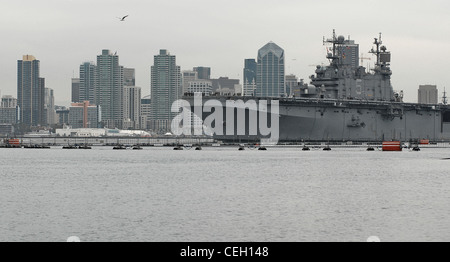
pixel 88 82
pixel 49 107
pixel 428 94
pixel 165 90
pixel 129 77
pixel 75 90
pixel 146 102
pixel 203 73
pixel 249 77
pixel 132 107
pixel 270 80
pixel 109 89
pixel 30 91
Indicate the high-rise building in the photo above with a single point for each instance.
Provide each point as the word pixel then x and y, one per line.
pixel 249 77
pixel 8 102
pixel 129 77
pixel 88 82
pixel 187 77
pixel 428 94
pixel 84 115
pixel 8 115
pixel 165 90
pixel 145 112
pixel 30 91
pixel 62 115
pixel 203 73
pixel 131 100
pixel 132 107
pixel 349 53
pixel 49 107
pixel 109 89
pixel 291 84
pixel 75 90
pixel 8 110
pixel 270 75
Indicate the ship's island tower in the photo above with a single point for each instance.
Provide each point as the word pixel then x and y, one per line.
pixel 347 80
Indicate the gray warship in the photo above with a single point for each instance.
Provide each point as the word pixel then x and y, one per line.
pixel 344 102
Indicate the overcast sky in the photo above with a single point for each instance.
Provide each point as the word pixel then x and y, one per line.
pixel 220 34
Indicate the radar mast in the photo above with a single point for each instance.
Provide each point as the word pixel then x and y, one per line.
pixel 333 57
pixel 377 52
pixel 444 98
pixel 383 57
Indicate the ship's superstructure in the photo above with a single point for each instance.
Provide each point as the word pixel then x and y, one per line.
pixel 342 80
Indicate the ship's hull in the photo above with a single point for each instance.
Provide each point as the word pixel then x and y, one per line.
pixel 325 123
pixel 319 120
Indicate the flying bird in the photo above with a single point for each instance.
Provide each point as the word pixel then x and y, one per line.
pixel 122 18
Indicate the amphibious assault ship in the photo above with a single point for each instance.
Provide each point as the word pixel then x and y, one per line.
pixel 344 102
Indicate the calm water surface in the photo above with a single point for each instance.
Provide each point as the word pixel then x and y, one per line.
pixel 221 194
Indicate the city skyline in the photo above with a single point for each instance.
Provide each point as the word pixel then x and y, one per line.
pixel 224 129
pixel 54 32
